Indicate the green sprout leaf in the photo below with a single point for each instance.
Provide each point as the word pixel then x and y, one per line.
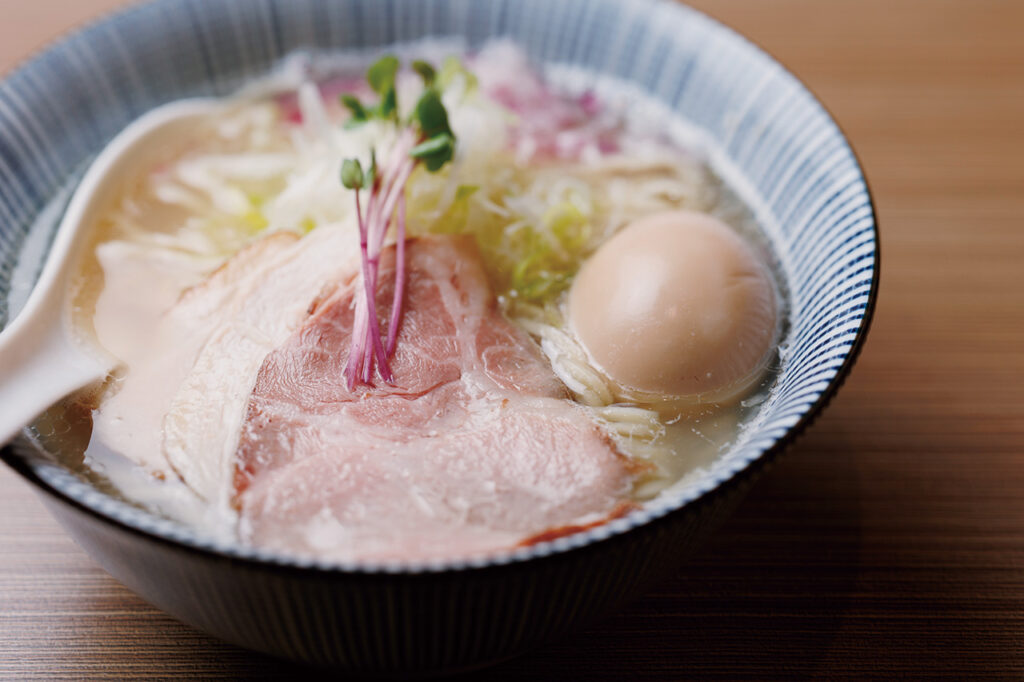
pixel 381 74
pixel 381 77
pixel 431 114
pixel 426 72
pixel 432 146
pixel 438 141
pixel 435 152
pixel 352 174
pixel 388 107
pixel 352 103
pixel 436 162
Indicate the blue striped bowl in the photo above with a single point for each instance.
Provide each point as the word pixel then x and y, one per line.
pixel 61 106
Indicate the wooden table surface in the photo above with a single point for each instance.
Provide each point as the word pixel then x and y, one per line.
pixel 888 542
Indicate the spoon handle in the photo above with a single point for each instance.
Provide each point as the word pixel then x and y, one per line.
pixel 37 370
pixel 39 362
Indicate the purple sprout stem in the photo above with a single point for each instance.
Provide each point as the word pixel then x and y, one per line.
pixel 401 165
pixel 396 303
pixel 370 265
pixel 397 189
pixel 366 372
pixel 385 180
pixel 358 348
pixel 386 196
pixel 366 328
pixel 395 195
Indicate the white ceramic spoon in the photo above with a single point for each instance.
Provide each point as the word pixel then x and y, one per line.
pixel 41 361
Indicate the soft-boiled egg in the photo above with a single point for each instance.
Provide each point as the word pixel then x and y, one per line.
pixel 678 306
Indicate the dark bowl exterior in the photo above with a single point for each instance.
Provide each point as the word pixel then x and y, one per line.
pixel 425 621
pixel 401 625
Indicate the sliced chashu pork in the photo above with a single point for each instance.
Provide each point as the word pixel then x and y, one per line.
pixel 473 449
pixel 178 409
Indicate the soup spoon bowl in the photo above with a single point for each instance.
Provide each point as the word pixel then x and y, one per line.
pixel 41 358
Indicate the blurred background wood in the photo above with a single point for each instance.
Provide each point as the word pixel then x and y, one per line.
pixel 888 542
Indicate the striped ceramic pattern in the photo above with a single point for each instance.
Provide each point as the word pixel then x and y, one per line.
pixel 61 107
pixel 419 624
pixel 58 109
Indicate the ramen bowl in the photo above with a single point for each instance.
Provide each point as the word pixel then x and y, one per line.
pixel 770 138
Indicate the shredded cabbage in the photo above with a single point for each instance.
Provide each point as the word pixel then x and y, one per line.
pixel 538 178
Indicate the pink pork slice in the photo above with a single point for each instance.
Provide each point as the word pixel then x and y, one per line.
pixel 474 449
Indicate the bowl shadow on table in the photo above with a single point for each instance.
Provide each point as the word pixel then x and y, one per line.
pixel 764 596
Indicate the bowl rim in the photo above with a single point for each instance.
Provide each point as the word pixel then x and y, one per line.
pixel 259 559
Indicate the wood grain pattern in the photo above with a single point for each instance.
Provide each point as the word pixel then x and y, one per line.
pixel 888 542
